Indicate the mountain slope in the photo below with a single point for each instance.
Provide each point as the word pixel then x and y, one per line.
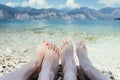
pixel 23 13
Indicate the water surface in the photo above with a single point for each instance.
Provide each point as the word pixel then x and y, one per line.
pixel 61 25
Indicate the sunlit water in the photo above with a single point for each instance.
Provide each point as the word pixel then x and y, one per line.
pixel 18 38
pixel 61 25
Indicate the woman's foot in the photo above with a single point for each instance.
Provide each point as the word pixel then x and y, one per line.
pixel 38 57
pixel 37 61
pixel 50 63
pixel 68 61
pixel 25 72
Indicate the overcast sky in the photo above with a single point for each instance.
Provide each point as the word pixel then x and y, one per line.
pixel 96 4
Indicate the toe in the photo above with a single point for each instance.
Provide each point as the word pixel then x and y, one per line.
pixel 49 46
pixel 55 50
pixel 67 42
pixel 83 46
pixel 40 47
pixel 54 47
pixel 63 42
pixel 79 43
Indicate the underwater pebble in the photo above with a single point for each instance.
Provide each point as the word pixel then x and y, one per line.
pixel 9 63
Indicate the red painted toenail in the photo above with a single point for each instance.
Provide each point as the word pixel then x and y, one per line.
pixel 47 44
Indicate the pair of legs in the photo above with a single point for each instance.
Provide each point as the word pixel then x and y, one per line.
pixel 44 64
pixel 88 71
pixel 41 67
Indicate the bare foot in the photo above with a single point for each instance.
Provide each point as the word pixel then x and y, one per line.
pixel 82 54
pixel 50 63
pixel 68 61
pixel 36 61
pixel 88 69
pixel 40 52
pixel 28 69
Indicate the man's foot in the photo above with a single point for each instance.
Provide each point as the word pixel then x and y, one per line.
pixel 68 61
pixel 88 69
pixel 82 54
pixel 50 62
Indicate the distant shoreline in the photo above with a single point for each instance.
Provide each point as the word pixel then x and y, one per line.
pixel 82 13
pixel 116 18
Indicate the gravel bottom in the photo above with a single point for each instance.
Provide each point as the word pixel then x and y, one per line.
pixel 8 64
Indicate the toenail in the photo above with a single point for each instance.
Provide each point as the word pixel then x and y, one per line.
pixel 66 42
pixel 47 44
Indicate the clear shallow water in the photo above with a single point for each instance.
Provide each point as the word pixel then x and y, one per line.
pixel 20 38
pixel 60 25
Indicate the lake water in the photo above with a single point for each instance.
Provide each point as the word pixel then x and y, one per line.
pixel 60 25
pixel 20 38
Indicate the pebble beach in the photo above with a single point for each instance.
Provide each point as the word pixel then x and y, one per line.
pixel 18 47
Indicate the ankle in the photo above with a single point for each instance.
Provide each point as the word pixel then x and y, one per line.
pixel 70 74
pixel 46 74
pixel 70 68
pixel 85 64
